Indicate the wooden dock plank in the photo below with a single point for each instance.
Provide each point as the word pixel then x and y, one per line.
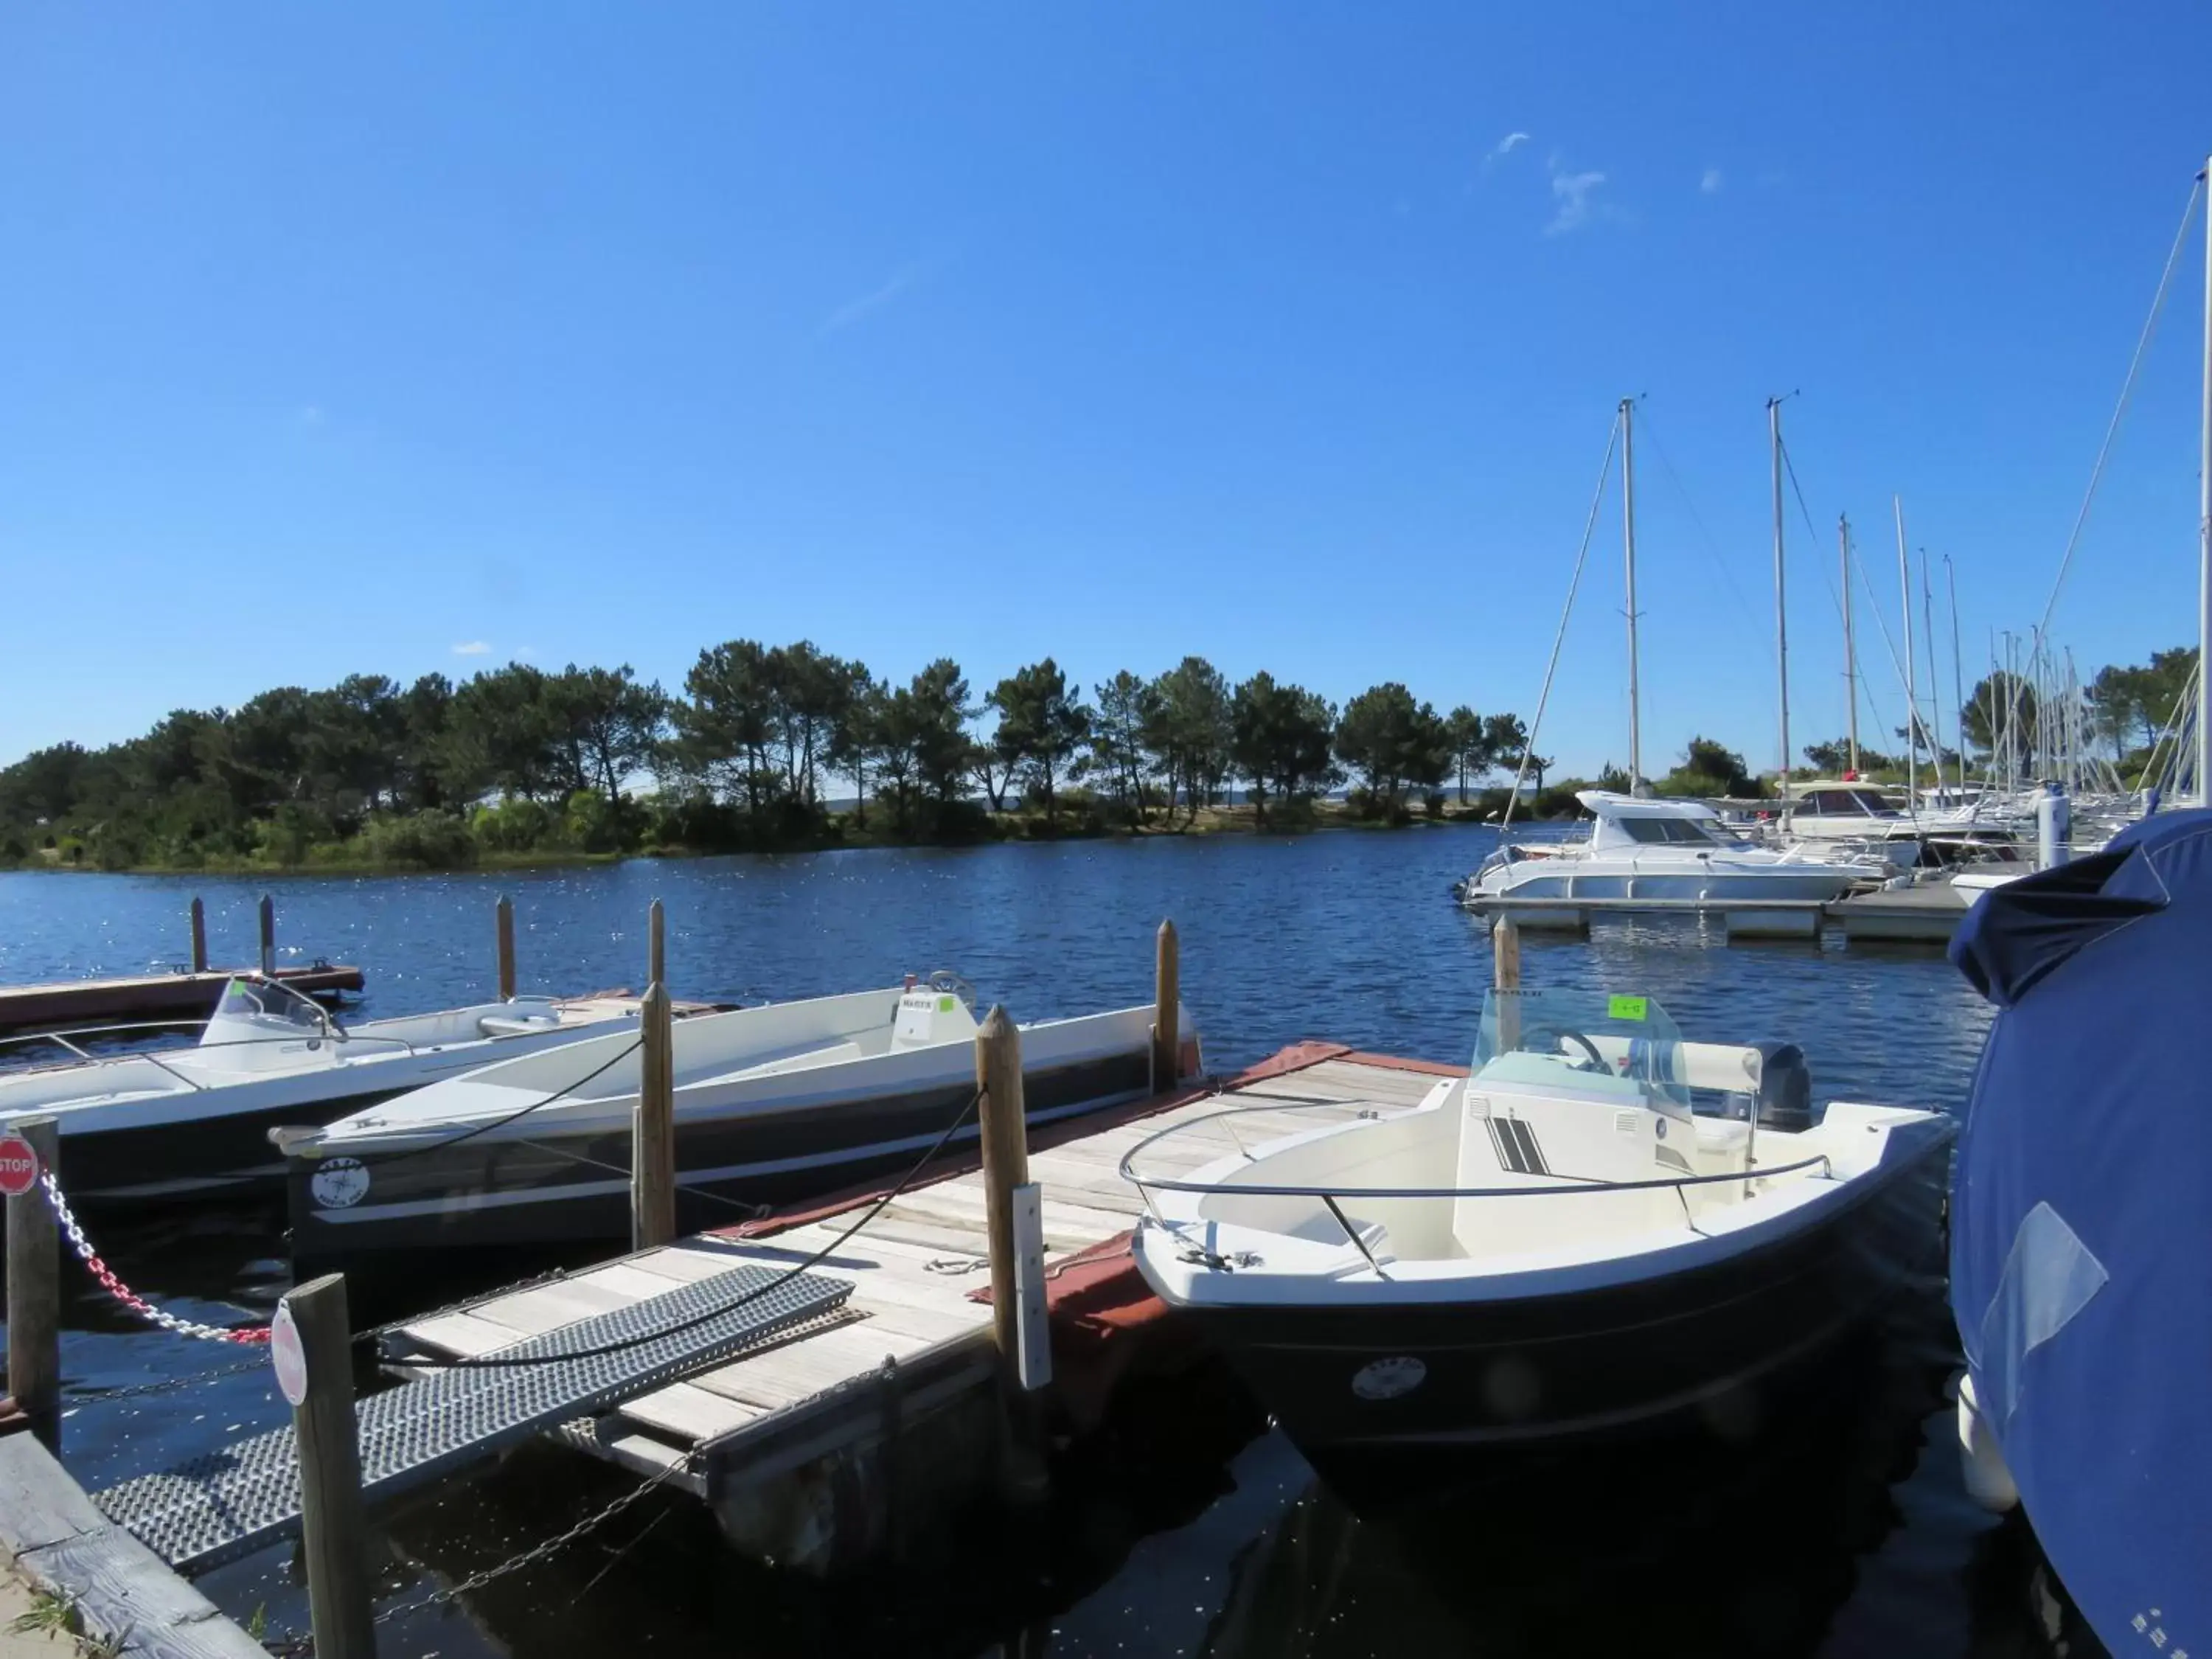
pixel 688 1412
pixel 123 1593
pixel 784 1377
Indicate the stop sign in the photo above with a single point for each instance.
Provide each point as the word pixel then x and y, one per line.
pixel 19 1166
pixel 287 1354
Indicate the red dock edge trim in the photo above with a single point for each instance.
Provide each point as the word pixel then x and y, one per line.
pixel 1096 1295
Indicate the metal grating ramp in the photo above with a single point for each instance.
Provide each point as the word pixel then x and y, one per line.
pixel 225 1504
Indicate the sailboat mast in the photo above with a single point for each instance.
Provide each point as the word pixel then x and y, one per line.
pixel 1851 649
pixel 1781 610
pixel 1628 542
pixel 1911 696
pixel 1934 695
pixel 1957 672
pixel 2204 532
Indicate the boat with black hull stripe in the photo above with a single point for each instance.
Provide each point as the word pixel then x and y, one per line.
pixel 168 1121
pixel 1562 1246
pixel 772 1105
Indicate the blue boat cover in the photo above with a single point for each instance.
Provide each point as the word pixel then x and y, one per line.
pixel 2081 1221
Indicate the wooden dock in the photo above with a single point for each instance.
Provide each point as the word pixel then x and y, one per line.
pixel 149 996
pixel 126 1600
pixel 793 1445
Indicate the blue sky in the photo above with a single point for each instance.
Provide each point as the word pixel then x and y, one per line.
pixel 420 337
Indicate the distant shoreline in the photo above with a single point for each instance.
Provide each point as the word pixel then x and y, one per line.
pixel 1242 819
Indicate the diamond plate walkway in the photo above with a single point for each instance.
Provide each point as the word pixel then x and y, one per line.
pixel 226 1504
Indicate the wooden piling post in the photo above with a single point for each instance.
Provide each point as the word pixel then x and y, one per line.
pixel 652 1128
pixel 35 1295
pixel 268 936
pixel 1505 950
pixel 334 1532
pixel 1505 953
pixel 656 946
pixel 1167 1009
pixel 199 937
pixel 1005 1130
pixel 506 914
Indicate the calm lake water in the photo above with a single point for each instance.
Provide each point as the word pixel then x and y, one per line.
pixel 1196 1533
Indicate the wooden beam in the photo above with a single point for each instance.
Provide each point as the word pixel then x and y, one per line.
pixel 505 912
pixel 34 1294
pixel 652 1128
pixel 334 1532
pixel 1167 1004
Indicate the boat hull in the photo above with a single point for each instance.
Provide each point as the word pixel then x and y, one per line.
pixel 190 1146
pixel 1717 888
pixel 564 1187
pixel 1378 1394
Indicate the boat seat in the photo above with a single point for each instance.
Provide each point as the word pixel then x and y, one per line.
pixel 500 1026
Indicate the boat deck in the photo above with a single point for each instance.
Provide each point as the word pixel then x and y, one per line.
pixel 914 1271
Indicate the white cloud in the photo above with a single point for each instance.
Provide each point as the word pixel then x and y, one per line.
pixel 1503 148
pixel 875 299
pixel 1571 194
pixel 1711 184
pixel 472 648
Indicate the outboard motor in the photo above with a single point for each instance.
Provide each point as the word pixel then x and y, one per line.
pixel 1785 1087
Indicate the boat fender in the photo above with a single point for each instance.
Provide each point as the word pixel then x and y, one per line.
pixel 1785 1088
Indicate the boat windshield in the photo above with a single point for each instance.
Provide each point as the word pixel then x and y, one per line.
pixel 246 998
pixel 1700 832
pixel 1629 1037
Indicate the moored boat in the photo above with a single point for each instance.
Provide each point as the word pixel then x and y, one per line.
pixel 772 1104
pixel 1563 1244
pixel 1650 849
pixel 180 1122
pixel 2078 1226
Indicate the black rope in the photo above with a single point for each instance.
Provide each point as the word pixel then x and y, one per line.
pixel 493 1362
pixel 379 1160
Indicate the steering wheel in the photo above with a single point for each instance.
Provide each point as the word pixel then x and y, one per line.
pixel 1598 1059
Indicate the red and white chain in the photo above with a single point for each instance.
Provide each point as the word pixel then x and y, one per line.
pixel 249 1334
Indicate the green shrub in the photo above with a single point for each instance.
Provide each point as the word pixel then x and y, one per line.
pixel 429 840
pixel 515 825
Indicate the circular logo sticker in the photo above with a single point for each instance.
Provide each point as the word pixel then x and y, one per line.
pixel 1386 1379
pixel 339 1184
pixel 288 1355
pixel 19 1166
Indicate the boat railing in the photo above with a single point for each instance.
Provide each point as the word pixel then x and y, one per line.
pixel 1559 1184
pixel 71 1040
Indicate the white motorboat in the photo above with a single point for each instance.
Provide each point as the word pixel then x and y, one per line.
pixel 1947 827
pixel 772 1104
pixel 183 1121
pixel 1658 849
pixel 1603 1226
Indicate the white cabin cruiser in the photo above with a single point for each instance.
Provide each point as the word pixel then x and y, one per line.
pixel 1652 849
pixel 1949 826
pixel 772 1104
pixel 1603 1226
pixel 180 1122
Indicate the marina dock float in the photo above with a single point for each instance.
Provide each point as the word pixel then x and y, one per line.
pixel 1930 913
pixel 851 1439
pixel 182 995
pixel 1927 914
pixel 124 1593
